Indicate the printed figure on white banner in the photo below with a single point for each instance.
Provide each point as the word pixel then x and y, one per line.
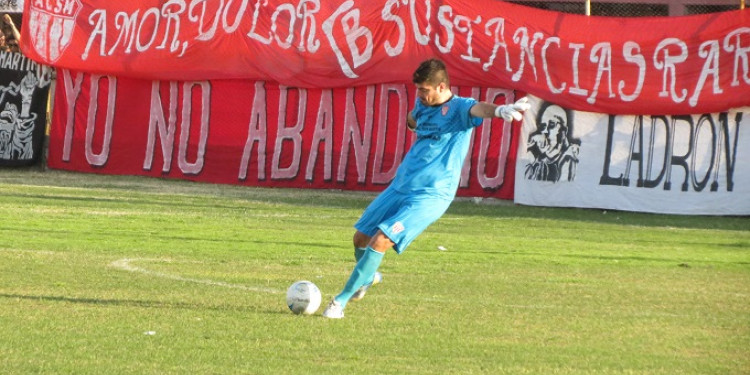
pixel 676 164
pixel 554 150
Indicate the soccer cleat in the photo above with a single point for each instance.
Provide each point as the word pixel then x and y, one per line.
pixel 334 310
pixel 360 293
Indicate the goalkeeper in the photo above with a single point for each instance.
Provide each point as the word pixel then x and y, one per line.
pixel 426 181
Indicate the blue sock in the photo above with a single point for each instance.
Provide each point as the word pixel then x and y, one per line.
pixel 358 253
pixel 363 272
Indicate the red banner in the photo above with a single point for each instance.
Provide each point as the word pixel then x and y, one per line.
pixel 259 134
pixel 675 65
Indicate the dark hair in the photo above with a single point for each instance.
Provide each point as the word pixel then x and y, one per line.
pixel 432 72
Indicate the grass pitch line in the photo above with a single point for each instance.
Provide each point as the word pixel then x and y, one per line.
pixel 125 265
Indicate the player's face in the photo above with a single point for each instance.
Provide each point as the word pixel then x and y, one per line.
pixel 430 95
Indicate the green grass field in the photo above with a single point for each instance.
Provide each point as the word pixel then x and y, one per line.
pixel 124 275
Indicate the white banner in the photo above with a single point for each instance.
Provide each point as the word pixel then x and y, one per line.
pixel 11 6
pixel 677 164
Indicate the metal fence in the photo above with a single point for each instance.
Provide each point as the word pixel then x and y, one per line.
pixel 636 8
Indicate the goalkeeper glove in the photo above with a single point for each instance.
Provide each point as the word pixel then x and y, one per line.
pixel 513 111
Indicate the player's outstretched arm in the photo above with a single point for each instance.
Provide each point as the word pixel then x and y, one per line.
pixel 509 112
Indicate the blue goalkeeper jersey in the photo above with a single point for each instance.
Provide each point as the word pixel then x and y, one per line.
pixel 433 164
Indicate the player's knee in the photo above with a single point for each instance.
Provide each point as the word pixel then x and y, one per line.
pixel 380 242
pixel 360 239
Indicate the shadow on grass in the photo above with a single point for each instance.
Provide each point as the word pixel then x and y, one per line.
pixel 214 196
pixel 295 197
pixel 598 216
pixel 129 303
pixel 358 201
pixel 198 238
pixel 683 262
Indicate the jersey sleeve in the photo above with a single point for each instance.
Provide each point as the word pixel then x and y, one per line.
pixel 469 120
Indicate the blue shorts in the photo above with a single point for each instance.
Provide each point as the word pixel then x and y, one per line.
pixel 401 217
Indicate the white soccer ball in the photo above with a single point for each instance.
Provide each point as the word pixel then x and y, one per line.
pixel 303 297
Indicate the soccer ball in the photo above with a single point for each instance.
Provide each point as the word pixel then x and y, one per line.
pixel 303 297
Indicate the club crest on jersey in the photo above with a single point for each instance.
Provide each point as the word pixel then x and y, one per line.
pixel 397 228
pixel 51 25
pixel 445 109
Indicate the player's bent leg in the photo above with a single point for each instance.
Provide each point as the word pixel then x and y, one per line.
pixel 360 293
pixel 362 274
pixel 360 241
pixel 381 243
